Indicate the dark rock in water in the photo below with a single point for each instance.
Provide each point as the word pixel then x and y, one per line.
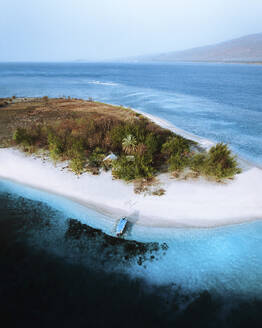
pixel 139 261
pixel 76 230
pixel 121 249
pixel 164 246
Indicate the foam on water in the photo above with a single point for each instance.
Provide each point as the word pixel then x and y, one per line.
pixel 103 83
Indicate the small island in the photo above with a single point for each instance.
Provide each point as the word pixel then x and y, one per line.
pixel 121 162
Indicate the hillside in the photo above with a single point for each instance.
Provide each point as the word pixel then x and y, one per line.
pixel 244 49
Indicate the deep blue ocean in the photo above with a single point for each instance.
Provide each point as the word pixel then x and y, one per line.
pixel 55 273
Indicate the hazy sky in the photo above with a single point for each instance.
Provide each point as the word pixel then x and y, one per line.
pixel 61 30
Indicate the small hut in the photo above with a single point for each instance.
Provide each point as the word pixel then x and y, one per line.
pixel 111 157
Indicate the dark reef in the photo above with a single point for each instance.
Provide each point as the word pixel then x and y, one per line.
pixel 122 249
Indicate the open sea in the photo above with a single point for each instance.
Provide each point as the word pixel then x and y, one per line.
pixel 59 265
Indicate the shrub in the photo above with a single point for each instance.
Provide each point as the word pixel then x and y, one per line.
pixel 176 145
pixel 220 163
pixel 96 158
pixel 177 162
pixel 56 146
pixel 124 169
pixel 152 143
pixel 143 167
pixel 75 148
pixel 141 149
pixel 117 134
pixel 21 137
pixel 140 167
pixel 197 162
pixel 138 129
pixel 106 165
pixel 77 164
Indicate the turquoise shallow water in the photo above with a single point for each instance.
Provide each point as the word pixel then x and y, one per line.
pixel 225 261
pixel 215 101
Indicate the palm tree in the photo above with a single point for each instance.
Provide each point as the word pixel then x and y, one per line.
pixel 129 144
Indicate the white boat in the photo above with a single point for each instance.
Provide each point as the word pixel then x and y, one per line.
pixel 121 225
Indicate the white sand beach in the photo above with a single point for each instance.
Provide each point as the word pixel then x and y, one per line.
pixel 191 203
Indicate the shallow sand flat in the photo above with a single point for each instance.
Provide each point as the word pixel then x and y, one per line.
pixel 195 203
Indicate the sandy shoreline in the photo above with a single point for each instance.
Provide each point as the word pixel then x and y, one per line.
pixel 204 143
pixel 196 203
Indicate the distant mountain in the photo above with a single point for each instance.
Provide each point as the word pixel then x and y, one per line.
pixel 245 49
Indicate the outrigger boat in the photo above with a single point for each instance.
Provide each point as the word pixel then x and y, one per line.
pixel 121 225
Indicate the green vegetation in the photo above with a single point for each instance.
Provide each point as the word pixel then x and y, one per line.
pixel 218 163
pixel 177 150
pixel 25 138
pixel 142 148
pixel 129 144
pixel 130 168
pixel 55 145
pixel 178 162
pixel 20 136
pixel 197 162
pixel 96 158
pixel 176 145
pixel 77 164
